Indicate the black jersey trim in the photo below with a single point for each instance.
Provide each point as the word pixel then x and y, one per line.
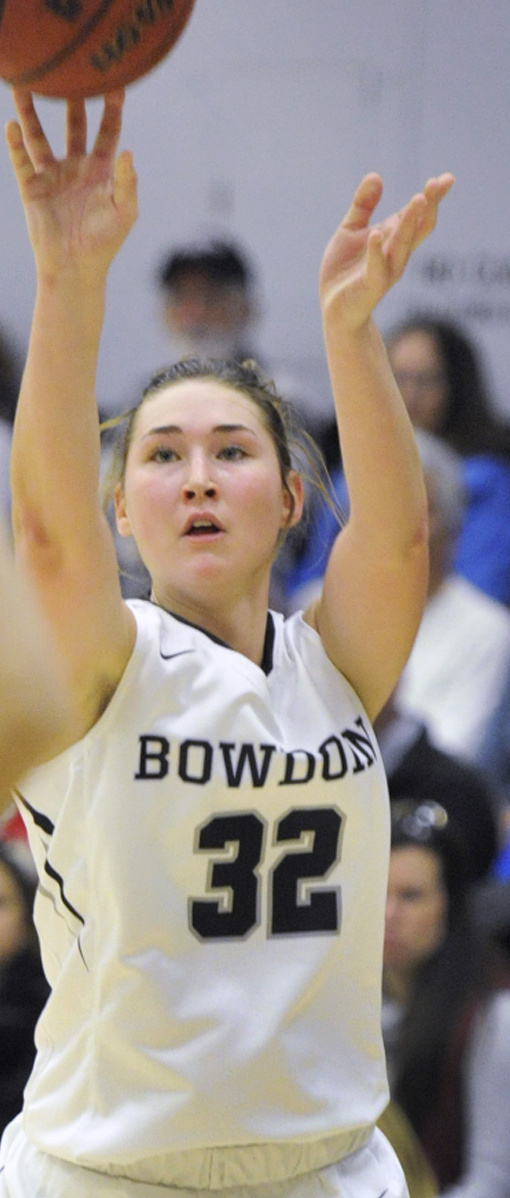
pixel 266 663
pixel 40 820
pixel 56 877
pixel 43 822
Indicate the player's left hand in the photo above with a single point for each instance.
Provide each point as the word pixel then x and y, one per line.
pixel 361 262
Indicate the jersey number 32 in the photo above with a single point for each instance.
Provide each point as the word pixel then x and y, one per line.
pixel 296 906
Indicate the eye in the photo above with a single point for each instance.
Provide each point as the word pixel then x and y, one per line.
pixel 164 454
pixel 232 453
pixel 411 895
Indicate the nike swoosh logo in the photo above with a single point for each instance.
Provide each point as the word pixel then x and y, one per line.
pixel 169 656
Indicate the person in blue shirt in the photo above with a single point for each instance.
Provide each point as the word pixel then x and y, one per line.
pixel 441 378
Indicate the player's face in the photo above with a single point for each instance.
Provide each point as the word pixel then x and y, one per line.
pixel 416 907
pixel 203 494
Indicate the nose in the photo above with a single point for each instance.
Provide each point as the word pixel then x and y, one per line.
pixel 392 911
pixel 199 484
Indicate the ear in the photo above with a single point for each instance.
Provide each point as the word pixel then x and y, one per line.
pixel 121 517
pixel 293 500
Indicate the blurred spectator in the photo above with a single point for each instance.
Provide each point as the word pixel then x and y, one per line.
pixel 10 376
pixel 210 305
pixel 491 910
pixel 440 375
pixel 494 752
pixel 459 663
pixel 415 769
pixel 23 987
pixel 446 1008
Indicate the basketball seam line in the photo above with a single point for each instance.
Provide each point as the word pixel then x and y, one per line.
pixel 57 59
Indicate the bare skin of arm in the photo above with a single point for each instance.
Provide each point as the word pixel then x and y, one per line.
pixel 375 584
pixel 78 212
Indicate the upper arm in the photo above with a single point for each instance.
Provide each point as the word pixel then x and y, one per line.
pixel 77 585
pixel 369 611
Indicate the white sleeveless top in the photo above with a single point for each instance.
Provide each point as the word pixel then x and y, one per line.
pixel 213 865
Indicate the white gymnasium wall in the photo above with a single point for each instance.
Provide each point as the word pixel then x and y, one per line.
pixel 259 125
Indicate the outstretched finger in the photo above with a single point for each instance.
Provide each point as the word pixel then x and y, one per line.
pixel 434 191
pixel 439 185
pixel 76 128
pixel 363 203
pixel 21 161
pixel 125 184
pixel 108 134
pixel 401 234
pixel 34 137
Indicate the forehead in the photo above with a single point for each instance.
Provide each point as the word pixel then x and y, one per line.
pixel 414 864
pixel 200 405
pixel 416 346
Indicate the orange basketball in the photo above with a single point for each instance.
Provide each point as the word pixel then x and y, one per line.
pixel 72 48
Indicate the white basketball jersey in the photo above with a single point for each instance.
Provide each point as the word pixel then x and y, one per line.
pixel 213 864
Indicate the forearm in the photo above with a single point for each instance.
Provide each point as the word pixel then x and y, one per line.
pixel 388 506
pixel 79 210
pixel 56 447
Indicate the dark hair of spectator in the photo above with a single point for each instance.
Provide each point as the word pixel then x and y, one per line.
pixel 462 971
pixel 470 425
pixel 10 377
pixel 220 262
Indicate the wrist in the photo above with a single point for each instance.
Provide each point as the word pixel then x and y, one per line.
pixel 348 337
pixel 71 277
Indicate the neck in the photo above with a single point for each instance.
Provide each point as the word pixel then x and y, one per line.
pixel 397 983
pixel 241 625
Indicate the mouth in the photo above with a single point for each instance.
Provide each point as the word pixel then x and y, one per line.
pixel 202 527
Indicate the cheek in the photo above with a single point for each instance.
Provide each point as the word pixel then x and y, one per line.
pixel 427 410
pixel 262 493
pixel 431 927
pixel 145 497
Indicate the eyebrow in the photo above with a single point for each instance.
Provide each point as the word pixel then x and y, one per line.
pixel 218 428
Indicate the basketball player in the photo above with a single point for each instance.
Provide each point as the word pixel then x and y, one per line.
pixel 34 717
pixel 213 845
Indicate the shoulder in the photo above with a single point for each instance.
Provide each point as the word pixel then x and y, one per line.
pixel 299 638
pixel 303 669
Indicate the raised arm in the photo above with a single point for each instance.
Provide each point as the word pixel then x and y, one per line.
pixel 375 583
pixel 78 212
